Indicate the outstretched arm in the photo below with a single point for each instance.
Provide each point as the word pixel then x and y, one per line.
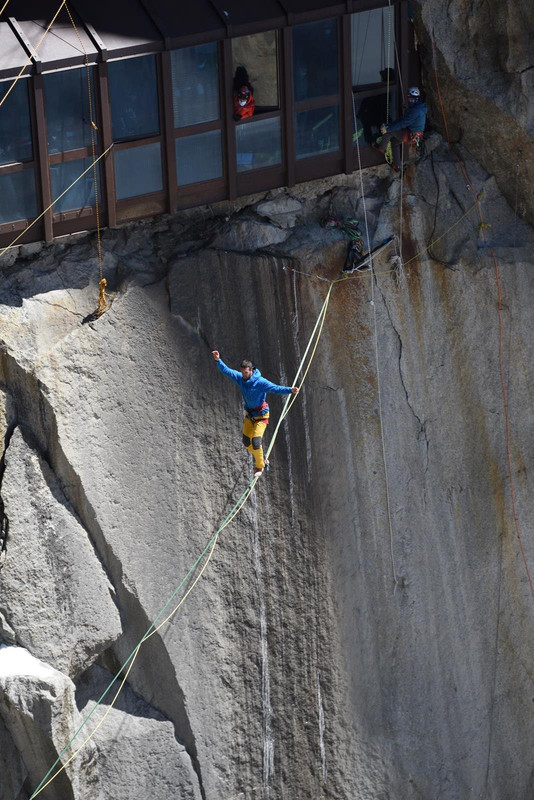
pixel 233 374
pixel 274 388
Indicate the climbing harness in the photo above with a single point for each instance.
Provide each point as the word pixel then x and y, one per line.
pixel 348 226
pixel 350 229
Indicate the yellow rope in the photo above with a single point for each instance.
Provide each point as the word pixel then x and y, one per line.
pixel 9 246
pixel 4 7
pixel 236 510
pixel 442 235
pixel 4 98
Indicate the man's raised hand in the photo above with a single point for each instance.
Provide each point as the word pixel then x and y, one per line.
pixel 295 390
pixel 216 355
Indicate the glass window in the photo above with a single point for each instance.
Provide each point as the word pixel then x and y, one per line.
pixel 315 61
pixel 317 131
pixel 370 113
pixel 255 57
pixel 82 193
pixel 259 144
pixel 198 158
pixel 195 84
pixel 133 93
pixel 373 46
pixel 17 196
pixel 15 129
pixel 138 170
pixel 68 121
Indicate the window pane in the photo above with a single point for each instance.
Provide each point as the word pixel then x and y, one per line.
pixel 17 196
pixel 370 113
pixel 133 93
pixel 371 32
pixel 257 56
pixel 82 193
pixel 195 84
pixel 138 170
pixel 259 144
pixel 198 158
pixel 317 131
pixel 315 59
pixel 15 130
pixel 67 110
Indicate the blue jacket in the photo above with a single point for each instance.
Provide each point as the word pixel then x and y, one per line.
pixel 414 118
pixel 254 389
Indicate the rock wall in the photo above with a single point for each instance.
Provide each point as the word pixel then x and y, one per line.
pixel 352 636
pixel 484 58
pixel 364 628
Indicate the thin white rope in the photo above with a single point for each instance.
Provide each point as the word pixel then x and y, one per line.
pixel 401 220
pixel 388 54
pixel 400 81
pixel 384 458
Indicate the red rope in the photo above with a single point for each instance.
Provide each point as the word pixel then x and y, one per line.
pixel 501 355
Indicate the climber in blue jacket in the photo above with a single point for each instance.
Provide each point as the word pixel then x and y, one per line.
pixel 409 127
pixel 254 389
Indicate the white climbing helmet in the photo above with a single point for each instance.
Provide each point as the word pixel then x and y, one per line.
pixel 413 91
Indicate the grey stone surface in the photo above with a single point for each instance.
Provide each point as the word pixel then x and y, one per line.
pixel 486 77
pixel 248 235
pixel 138 753
pixel 54 593
pixel 282 210
pixel 12 768
pixel 38 710
pixel 350 638
pixel 7 634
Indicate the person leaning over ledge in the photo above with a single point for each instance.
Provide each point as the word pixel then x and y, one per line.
pixel 254 389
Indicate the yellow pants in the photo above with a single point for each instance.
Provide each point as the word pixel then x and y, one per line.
pixel 253 430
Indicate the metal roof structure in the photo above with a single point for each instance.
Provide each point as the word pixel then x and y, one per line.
pixel 125 28
pixel 162 105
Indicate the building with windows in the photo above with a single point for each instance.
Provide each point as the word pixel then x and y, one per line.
pixel 153 81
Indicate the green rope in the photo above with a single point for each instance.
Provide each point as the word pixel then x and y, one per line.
pixel 232 513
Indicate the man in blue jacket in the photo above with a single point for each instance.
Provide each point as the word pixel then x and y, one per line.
pixel 254 388
pixel 411 124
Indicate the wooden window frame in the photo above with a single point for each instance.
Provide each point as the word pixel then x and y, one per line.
pixel 320 165
pixel 212 190
pixel 232 183
pixel 150 203
pixel 367 155
pixel 7 229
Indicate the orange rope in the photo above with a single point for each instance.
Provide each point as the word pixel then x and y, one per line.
pixel 482 231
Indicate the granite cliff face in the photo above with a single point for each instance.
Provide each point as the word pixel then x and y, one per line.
pixel 484 57
pixel 364 628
